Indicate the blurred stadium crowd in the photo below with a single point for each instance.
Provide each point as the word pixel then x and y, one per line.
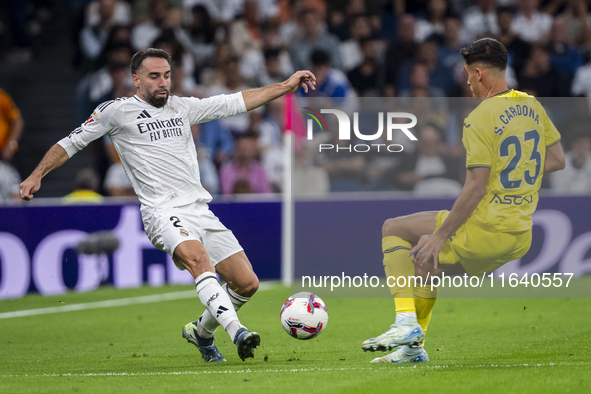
pixel 356 48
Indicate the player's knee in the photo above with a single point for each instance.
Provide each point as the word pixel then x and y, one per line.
pixel 248 286
pixel 391 228
pixel 251 287
pixel 196 261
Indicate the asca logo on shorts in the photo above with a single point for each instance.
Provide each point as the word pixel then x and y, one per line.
pixel 184 232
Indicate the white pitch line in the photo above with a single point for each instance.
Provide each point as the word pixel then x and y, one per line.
pixel 177 295
pixel 292 370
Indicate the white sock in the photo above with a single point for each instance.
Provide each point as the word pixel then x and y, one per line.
pixel 208 324
pixel 232 328
pixel 237 299
pixel 204 331
pixel 216 300
pixel 406 315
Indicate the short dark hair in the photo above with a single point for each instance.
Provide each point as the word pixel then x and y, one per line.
pixel 487 51
pixel 273 52
pixel 320 57
pixel 139 57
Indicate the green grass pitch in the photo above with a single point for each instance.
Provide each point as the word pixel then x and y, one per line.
pixel 475 345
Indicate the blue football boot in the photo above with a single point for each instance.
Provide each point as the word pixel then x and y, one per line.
pixel 246 342
pixel 209 351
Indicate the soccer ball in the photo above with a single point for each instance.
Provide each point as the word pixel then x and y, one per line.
pixel 304 315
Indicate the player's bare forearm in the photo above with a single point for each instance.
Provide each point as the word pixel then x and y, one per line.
pixel 55 157
pixel 554 158
pixel 254 98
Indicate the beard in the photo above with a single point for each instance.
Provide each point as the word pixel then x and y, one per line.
pixel 156 101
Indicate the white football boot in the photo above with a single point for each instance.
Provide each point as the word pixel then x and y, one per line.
pixel 405 354
pixel 406 331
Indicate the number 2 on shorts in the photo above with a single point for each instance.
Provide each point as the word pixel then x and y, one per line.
pixel 176 221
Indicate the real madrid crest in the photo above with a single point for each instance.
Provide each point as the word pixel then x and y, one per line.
pixel 184 232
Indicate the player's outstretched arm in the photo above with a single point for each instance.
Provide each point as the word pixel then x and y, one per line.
pixel 554 158
pixel 256 97
pixel 55 157
pixel 472 193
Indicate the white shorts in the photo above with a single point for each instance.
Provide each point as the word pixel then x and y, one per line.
pixel 168 227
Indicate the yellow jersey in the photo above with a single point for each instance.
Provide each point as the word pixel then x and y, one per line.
pixel 509 134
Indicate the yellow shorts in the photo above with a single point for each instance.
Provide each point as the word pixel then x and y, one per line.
pixel 479 250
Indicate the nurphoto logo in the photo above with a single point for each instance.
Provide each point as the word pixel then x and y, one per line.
pixel 344 131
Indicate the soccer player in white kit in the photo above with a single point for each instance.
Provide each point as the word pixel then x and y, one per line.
pixel 151 132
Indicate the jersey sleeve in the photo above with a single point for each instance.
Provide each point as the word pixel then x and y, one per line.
pixel 478 145
pixel 215 107
pixel 551 133
pixel 97 125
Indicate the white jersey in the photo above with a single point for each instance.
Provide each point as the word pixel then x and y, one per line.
pixel 155 144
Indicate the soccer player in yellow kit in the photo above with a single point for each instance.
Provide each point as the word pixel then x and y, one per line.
pixel 510 143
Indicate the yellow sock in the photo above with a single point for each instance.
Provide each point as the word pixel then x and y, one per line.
pixel 397 263
pixel 424 302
